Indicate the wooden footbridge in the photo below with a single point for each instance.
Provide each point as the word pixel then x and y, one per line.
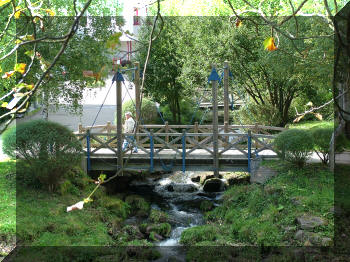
pixel 179 147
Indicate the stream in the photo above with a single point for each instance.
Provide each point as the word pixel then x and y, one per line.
pixel 180 198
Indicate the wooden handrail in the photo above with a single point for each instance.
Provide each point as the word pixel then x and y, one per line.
pixel 108 127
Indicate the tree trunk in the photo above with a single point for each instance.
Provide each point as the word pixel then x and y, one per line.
pixel 178 110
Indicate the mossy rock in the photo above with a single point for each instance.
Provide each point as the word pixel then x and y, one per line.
pixel 115 205
pixel 155 236
pixel 206 205
pixel 162 229
pixel 198 234
pixel 201 177
pixel 214 185
pixel 237 178
pixel 133 231
pixel 157 216
pixel 138 204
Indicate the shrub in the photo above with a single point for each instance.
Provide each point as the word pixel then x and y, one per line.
pixel 251 113
pixel 48 149
pixel 295 145
pixel 148 108
pixel 188 109
pixel 322 137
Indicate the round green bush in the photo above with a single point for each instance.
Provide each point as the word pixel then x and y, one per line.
pixel 47 148
pixel 322 138
pixel 295 145
pixel 148 108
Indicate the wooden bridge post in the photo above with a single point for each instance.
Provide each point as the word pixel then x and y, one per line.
pixel 119 121
pixel 214 78
pixel 226 101
pixel 196 130
pixel 151 152
pixel 226 139
pixel 249 149
pixel 109 127
pixel 137 98
pixel 183 140
pixel 256 130
pixel 166 131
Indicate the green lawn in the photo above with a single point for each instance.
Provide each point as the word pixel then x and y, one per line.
pixel 7 199
pixel 311 124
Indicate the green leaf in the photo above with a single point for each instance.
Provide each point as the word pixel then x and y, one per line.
pixel 29 53
pixel 102 178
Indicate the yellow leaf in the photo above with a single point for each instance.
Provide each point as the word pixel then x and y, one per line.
pixel 22 110
pixel 18 41
pixel 298 119
pixel 4 2
pixel 318 116
pixel 4 104
pixel 8 74
pixel 309 104
pixel 238 22
pixel 30 87
pixel 50 12
pixel 20 67
pixel 269 44
pixel 17 14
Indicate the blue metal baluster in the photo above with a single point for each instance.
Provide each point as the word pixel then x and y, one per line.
pixel 184 151
pixel 249 150
pixel 151 151
pixel 88 150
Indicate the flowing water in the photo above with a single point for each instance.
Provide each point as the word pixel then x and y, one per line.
pixel 180 198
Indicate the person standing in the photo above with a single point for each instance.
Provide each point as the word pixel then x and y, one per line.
pixel 129 128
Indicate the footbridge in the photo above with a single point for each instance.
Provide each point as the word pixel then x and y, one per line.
pixel 178 147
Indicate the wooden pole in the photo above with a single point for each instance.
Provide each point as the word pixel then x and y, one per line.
pixel 119 123
pixel 215 126
pixel 137 98
pixel 226 98
pixel 226 101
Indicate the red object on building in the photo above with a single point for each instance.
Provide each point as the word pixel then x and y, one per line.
pixel 136 17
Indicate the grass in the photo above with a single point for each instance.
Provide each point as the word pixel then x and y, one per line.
pixel 7 199
pixel 311 124
pixel 264 215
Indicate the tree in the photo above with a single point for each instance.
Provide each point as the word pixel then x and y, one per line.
pixel 34 41
pixel 164 67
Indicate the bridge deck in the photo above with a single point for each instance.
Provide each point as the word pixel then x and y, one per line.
pixel 171 154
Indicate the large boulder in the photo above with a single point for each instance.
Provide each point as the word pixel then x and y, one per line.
pixel 214 185
pixel 310 222
pixel 201 177
pixel 305 236
pixel 236 178
pixel 186 188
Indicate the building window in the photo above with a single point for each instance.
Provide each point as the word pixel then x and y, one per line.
pixel 136 17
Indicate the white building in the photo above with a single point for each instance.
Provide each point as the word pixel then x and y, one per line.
pixel 133 13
